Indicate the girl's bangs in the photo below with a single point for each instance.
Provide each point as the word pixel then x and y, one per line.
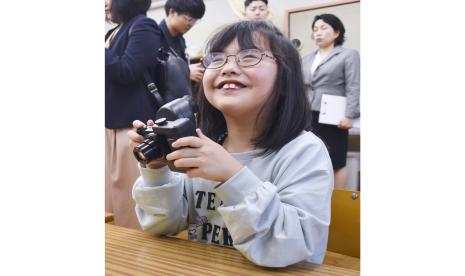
pixel 250 38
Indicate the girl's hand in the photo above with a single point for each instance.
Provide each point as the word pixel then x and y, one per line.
pixel 204 157
pixel 136 139
pixel 345 123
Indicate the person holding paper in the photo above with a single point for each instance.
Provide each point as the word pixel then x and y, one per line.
pixel 333 70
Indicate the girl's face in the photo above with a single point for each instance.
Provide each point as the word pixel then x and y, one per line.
pixel 323 34
pixel 240 91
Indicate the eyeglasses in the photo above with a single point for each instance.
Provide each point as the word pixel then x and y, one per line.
pixel 245 58
pixel 189 19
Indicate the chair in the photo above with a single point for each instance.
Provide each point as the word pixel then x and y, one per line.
pixel 344 230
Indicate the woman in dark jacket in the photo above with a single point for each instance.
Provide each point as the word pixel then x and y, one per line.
pixel 130 50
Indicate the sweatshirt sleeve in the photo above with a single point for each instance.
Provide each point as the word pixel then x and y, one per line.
pixel 161 203
pixel 284 221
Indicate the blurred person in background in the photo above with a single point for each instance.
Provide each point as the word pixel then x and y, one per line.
pixel 130 50
pixel 256 9
pixel 181 16
pixel 334 70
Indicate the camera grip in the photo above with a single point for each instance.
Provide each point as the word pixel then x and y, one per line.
pixel 171 163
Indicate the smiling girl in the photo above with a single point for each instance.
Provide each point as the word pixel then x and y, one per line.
pixel 257 180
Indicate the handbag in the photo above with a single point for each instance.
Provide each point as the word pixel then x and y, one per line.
pixel 172 75
pixel 172 78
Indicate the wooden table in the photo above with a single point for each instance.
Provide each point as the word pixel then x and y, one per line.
pixel 133 252
pixel 340 260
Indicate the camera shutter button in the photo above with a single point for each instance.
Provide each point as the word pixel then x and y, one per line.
pixel 162 121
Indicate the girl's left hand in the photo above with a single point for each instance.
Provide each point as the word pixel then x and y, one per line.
pixel 345 123
pixel 204 157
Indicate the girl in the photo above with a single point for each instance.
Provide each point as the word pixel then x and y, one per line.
pixel 257 180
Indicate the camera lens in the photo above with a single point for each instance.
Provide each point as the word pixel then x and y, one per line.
pixel 149 150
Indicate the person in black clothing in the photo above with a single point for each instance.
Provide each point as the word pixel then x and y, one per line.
pixel 181 16
pixel 129 52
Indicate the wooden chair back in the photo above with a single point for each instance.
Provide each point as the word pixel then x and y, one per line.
pixel 344 230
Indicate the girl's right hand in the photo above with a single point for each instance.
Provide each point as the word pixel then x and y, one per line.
pixel 204 158
pixel 137 139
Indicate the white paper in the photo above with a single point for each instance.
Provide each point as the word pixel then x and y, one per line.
pixel 332 110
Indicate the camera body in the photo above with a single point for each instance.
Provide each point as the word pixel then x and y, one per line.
pixel 175 120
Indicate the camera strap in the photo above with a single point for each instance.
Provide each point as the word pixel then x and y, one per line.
pixel 152 87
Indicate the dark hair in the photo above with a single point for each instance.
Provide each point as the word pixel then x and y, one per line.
pixel 247 2
pixel 123 10
pixel 194 8
pixel 287 107
pixel 335 23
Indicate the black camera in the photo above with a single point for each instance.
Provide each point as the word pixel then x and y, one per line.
pixel 175 120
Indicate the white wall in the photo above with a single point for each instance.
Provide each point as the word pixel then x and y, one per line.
pixel 220 12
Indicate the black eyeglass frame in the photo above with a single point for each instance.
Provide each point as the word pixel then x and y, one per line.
pixel 236 58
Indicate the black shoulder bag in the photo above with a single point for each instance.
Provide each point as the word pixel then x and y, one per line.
pixel 172 75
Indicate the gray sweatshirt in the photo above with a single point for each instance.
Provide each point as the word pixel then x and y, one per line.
pixel 275 210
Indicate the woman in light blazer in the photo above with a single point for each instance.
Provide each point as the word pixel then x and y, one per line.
pixel 333 70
